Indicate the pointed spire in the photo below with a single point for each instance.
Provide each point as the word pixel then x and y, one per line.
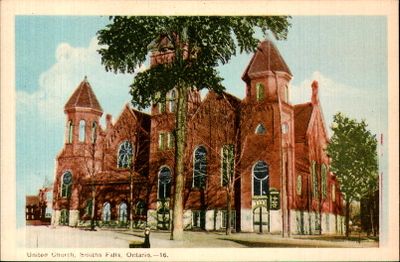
pixel 83 96
pixel 314 96
pixel 266 58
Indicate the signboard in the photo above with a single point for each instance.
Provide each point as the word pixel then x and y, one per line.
pixel 274 200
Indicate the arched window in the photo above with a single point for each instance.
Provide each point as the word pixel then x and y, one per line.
pixel 125 154
pixel 199 167
pixel 82 130
pixel 228 164
pixel 123 212
pixel 299 185
pixel 66 184
pixel 259 91
pixel 323 180
pixel 172 101
pixel 140 209
pixel 106 213
pixel 94 132
pixel 70 131
pixel 260 179
pixel 164 183
pixel 260 129
pixel 314 179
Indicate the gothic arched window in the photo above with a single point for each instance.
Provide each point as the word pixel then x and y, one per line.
pixel 314 179
pixel 199 167
pixel 164 183
pixel 106 212
pixel 66 184
pixel 324 181
pixel 123 212
pixel 125 154
pixel 260 129
pixel 260 179
pixel 70 131
pixel 94 132
pixel 228 164
pixel 82 125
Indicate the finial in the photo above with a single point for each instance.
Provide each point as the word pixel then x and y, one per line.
pixel 314 96
pixel 85 78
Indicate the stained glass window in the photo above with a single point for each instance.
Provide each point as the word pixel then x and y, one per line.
pixel 260 179
pixel 66 184
pixel 125 154
pixel 164 183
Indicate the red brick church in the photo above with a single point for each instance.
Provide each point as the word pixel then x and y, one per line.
pixel 268 154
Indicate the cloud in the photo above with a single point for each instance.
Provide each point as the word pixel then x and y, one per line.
pixel 353 101
pixel 57 84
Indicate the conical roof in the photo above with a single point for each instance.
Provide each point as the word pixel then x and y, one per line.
pixel 83 96
pixel 266 58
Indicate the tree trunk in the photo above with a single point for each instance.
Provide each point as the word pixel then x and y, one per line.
pixel 371 213
pixel 228 210
pixel 180 144
pixel 93 208
pixel 131 202
pixel 347 218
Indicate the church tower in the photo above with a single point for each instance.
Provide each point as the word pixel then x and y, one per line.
pixel 267 142
pixel 79 156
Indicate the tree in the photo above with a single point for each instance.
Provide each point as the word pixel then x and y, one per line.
pixel 191 48
pixel 353 159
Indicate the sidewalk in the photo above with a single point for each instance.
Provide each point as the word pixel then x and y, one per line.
pixel 66 237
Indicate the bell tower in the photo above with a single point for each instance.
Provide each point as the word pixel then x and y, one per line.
pixel 267 76
pixel 267 137
pixel 77 158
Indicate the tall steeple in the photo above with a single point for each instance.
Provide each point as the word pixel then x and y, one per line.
pixel 267 74
pixel 83 112
pixel 83 97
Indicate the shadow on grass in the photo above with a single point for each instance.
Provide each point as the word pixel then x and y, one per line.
pixel 353 238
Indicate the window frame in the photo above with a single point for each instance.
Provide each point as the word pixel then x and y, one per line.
pixel 260 91
pixel 82 131
pixel 66 188
pixel 122 146
pixel 167 185
pixel 224 177
pixel 261 181
pixel 203 177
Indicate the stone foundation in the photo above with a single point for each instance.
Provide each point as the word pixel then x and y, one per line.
pixel 73 218
pixel 55 218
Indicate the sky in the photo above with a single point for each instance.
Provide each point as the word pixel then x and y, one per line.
pixel 346 54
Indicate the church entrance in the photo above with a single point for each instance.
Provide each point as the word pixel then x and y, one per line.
pixel 260 219
pixel 64 217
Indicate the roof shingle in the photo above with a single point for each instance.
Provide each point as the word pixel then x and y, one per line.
pixel 302 116
pixel 266 58
pixel 83 96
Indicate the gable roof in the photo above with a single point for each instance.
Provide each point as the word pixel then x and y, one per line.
pixel 302 117
pixel 83 96
pixel 32 200
pixel 266 58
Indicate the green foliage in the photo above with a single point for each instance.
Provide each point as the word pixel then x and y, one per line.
pixel 354 158
pixel 199 44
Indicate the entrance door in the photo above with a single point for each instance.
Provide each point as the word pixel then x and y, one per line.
pixel 64 217
pixel 260 219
